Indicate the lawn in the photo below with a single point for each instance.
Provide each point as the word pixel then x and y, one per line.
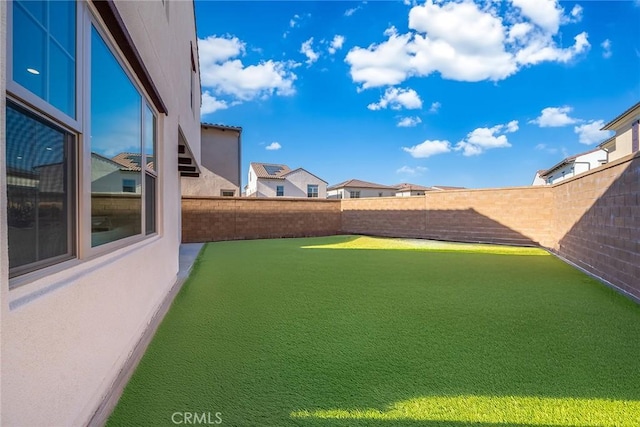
pixel 358 331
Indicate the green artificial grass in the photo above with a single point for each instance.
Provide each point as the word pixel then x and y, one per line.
pixel 355 331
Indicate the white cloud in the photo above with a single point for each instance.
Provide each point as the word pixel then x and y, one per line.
pixel 226 76
pixel 428 148
pixel 308 51
pixel 512 126
pixel 462 41
pixel 210 104
pixel 407 170
pixel 387 63
pixel 606 48
pixel 435 107
pixel 408 122
pixel 336 44
pixel 273 146
pixel 351 11
pixel 398 98
pixel 481 139
pixel 544 13
pixel 590 133
pixel 555 117
pixel 576 13
pixel 219 49
pixel 540 49
pixel 294 22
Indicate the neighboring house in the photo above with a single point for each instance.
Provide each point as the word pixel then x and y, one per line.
pixel 89 242
pixel 357 189
pixel 572 166
pixel 537 179
pixel 220 173
pixel 406 190
pixel 274 180
pixel 625 140
pixel 120 174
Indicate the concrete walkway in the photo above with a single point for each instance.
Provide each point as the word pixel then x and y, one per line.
pixel 188 254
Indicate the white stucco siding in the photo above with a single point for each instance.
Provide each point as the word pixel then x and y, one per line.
pixel 66 333
pixel 296 184
pixel 368 192
pixel 267 187
pixel 411 193
pixel 581 164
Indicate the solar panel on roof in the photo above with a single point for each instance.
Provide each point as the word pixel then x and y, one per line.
pixel 272 170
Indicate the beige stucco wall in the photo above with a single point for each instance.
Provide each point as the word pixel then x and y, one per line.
pixel 220 164
pixel 623 143
pixel 66 336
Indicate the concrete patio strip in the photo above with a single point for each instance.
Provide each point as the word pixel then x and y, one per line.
pixel 187 255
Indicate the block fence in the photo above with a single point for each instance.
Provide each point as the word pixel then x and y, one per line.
pixel 592 220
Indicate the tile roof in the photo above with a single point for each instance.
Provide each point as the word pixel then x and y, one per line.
pixel 356 183
pixel 130 161
pixel 263 170
pixel 222 127
pixel 405 186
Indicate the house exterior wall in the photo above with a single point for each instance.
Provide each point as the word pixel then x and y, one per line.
pixel 267 187
pixel 623 143
pixel 410 193
pixel 581 164
pixel 297 181
pixel 295 185
pixel 66 335
pixel 219 166
pixel 364 192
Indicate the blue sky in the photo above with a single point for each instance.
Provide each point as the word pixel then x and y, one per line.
pixel 461 93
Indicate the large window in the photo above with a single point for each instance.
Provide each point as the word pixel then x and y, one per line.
pixel 354 194
pixel 312 190
pixel 82 165
pixel 40 191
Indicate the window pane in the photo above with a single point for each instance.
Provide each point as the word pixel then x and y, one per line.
pixel 29 41
pixel 63 80
pixel 60 17
pixel 44 51
pixel 116 148
pixel 150 204
pixel 39 191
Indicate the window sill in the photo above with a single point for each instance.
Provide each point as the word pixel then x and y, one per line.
pixel 31 286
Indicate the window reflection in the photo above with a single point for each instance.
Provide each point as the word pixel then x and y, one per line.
pixel 116 147
pixel 44 51
pixel 39 191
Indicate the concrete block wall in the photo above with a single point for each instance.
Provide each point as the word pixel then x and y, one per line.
pixel 592 220
pixel 506 215
pixel 206 219
pixel 597 222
